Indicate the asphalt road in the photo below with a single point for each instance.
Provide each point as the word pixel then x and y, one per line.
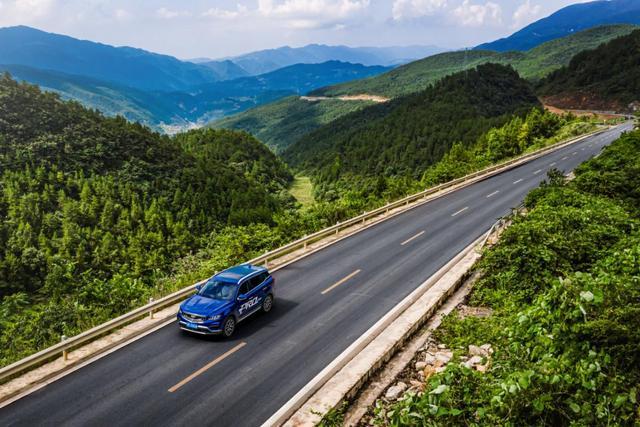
pixel 246 379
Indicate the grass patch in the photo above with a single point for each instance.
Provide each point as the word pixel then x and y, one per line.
pixel 302 190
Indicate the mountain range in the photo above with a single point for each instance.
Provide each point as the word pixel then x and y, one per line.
pixel 281 123
pixel 568 20
pixel 157 90
pixel 264 61
pixel 135 68
pixel 169 94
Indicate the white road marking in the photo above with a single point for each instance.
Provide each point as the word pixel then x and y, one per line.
pixel 582 148
pixel 565 157
pixel 574 153
pixel 520 180
pixel 411 238
pixel 340 282
pixel 460 211
pixel 493 194
pixel 537 172
pixel 207 366
pixel 553 164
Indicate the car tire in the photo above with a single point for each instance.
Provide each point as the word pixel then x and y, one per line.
pixel 267 303
pixel 229 327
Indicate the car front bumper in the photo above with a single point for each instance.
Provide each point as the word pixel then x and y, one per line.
pixel 204 328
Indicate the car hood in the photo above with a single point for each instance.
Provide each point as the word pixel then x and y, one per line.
pixel 198 304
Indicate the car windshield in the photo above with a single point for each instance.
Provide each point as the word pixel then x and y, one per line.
pixel 218 290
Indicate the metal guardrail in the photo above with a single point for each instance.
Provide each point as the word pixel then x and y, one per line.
pixel 67 344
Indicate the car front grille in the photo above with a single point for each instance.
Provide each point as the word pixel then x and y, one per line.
pixel 195 318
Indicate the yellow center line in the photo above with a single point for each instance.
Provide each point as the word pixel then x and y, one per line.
pixel 340 282
pixel 411 238
pixel 207 367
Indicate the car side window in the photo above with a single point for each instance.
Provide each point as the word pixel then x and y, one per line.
pixel 245 288
pixel 261 278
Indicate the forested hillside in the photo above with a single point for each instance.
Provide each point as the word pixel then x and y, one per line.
pixel 563 288
pixel 405 136
pixel 95 209
pixel 606 78
pixel 532 64
pixel 281 123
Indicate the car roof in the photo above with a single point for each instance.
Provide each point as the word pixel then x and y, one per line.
pixel 239 272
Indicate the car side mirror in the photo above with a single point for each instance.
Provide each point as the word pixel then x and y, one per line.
pixel 242 297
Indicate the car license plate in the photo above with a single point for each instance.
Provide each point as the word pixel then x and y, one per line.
pixel 192 325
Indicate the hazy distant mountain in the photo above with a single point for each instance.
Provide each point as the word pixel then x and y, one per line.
pixel 123 65
pixel 263 61
pixel 201 103
pixel 568 20
pixel 219 99
pixel 226 69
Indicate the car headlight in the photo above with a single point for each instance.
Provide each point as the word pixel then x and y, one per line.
pixel 215 317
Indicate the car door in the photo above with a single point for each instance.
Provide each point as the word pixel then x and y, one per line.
pixel 252 297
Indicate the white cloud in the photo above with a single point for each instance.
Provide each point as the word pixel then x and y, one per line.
pixel 34 7
pixel 216 13
pixel 122 15
pixel 312 14
pixel 165 13
pixel 18 12
pixel 476 15
pixel 525 14
pixel 407 9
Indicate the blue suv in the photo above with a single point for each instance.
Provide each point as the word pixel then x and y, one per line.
pixel 226 299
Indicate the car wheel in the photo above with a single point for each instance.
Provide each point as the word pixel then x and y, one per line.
pixel 267 304
pixel 229 326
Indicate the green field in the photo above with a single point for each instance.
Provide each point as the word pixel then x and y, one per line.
pixel 302 190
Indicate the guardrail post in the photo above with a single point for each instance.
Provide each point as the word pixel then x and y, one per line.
pixel 364 218
pixel 65 353
pixel 151 311
pixel 338 227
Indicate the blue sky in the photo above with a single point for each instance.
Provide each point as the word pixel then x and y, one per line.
pixel 217 28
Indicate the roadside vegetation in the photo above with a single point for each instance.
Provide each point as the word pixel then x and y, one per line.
pixel 563 284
